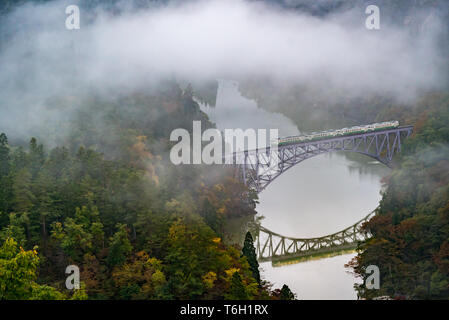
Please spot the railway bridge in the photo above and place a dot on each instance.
(258, 168)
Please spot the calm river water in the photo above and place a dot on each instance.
(319, 196)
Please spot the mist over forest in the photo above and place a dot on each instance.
(85, 176)
(130, 46)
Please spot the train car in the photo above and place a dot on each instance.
(338, 133)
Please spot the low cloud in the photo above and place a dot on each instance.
(202, 40)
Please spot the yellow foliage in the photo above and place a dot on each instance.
(231, 271)
(158, 278)
(209, 279)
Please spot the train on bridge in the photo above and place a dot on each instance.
(338, 133)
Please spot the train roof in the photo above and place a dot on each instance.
(334, 130)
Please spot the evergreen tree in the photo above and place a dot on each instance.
(16, 228)
(4, 156)
(23, 197)
(286, 293)
(36, 157)
(210, 216)
(237, 289)
(120, 246)
(249, 251)
(82, 195)
(5, 180)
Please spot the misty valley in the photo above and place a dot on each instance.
(203, 156)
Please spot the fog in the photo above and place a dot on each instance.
(125, 50)
(232, 111)
(319, 196)
(201, 40)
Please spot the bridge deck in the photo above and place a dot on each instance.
(259, 167)
(305, 143)
(356, 135)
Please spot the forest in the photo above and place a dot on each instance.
(137, 226)
(410, 229)
(411, 226)
(87, 180)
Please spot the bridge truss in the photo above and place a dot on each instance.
(258, 168)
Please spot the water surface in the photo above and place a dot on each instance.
(319, 196)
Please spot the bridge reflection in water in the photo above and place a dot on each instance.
(271, 246)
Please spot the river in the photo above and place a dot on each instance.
(317, 197)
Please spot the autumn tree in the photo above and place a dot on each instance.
(18, 274)
(142, 278)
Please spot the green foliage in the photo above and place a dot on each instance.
(249, 251)
(112, 203)
(45, 292)
(286, 293)
(17, 271)
(411, 227)
(81, 234)
(4, 156)
(16, 228)
(237, 290)
(120, 246)
(18, 274)
(80, 294)
(142, 278)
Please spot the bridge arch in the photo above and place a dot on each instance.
(388, 164)
(258, 168)
(261, 167)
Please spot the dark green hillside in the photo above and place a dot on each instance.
(108, 200)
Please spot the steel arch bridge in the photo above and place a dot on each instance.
(258, 168)
(271, 246)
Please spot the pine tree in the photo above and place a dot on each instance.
(286, 293)
(5, 179)
(4, 156)
(120, 246)
(249, 251)
(36, 157)
(23, 197)
(210, 216)
(237, 289)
